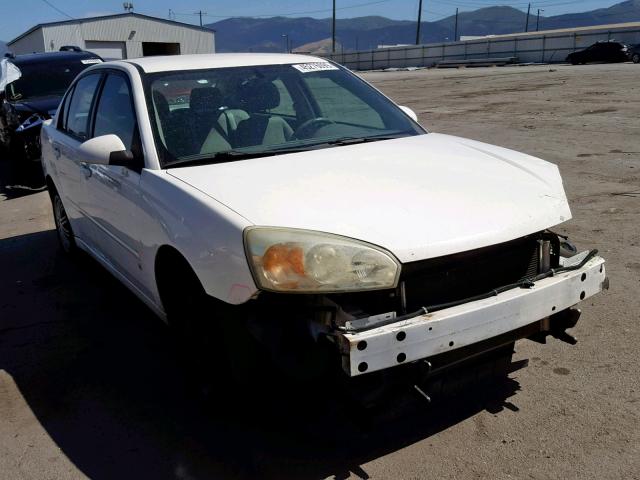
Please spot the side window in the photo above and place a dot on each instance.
(342, 106)
(286, 102)
(77, 118)
(115, 113)
(64, 108)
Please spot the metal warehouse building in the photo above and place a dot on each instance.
(126, 35)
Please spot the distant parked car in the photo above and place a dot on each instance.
(635, 53)
(605, 52)
(31, 87)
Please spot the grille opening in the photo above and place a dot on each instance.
(455, 277)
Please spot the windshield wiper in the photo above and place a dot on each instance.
(355, 140)
(229, 156)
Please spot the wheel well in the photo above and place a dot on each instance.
(51, 187)
(169, 264)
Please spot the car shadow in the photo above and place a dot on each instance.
(19, 181)
(100, 373)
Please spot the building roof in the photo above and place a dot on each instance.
(116, 15)
(170, 63)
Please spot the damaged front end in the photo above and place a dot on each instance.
(444, 311)
(21, 131)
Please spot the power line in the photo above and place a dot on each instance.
(289, 13)
(57, 9)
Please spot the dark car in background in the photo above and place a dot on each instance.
(33, 87)
(601, 52)
(635, 53)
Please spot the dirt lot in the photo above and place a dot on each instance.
(89, 387)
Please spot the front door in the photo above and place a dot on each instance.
(113, 192)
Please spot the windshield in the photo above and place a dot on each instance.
(229, 114)
(47, 79)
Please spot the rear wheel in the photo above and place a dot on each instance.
(63, 225)
(635, 58)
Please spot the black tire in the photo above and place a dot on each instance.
(196, 326)
(635, 58)
(66, 237)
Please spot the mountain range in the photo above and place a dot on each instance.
(266, 34)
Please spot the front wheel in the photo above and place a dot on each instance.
(635, 58)
(63, 225)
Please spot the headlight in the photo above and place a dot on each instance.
(302, 261)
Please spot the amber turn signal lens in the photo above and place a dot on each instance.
(284, 264)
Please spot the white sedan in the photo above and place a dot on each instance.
(285, 194)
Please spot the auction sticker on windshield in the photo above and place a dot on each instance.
(314, 67)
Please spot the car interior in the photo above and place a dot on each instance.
(214, 122)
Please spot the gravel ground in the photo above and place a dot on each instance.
(89, 385)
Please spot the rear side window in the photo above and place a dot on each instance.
(77, 118)
(115, 113)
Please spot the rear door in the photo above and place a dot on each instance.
(73, 129)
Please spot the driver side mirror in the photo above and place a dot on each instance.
(107, 150)
(409, 112)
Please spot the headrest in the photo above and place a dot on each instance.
(205, 99)
(161, 104)
(258, 95)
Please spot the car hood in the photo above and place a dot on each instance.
(419, 197)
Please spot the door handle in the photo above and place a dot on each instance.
(86, 170)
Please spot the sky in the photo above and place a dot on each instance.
(26, 13)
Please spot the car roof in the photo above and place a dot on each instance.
(217, 60)
(50, 57)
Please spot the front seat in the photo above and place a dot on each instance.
(213, 124)
(205, 108)
(261, 128)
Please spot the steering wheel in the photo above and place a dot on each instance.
(311, 126)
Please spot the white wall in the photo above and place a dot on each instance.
(544, 47)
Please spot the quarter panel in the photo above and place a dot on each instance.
(208, 234)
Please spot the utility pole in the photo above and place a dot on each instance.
(526, 25)
(333, 29)
(538, 19)
(419, 22)
(455, 35)
(201, 13)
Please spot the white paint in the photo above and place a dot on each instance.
(418, 197)
(98, 150)
(410, 113)
(472, 322)
(219, 60)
